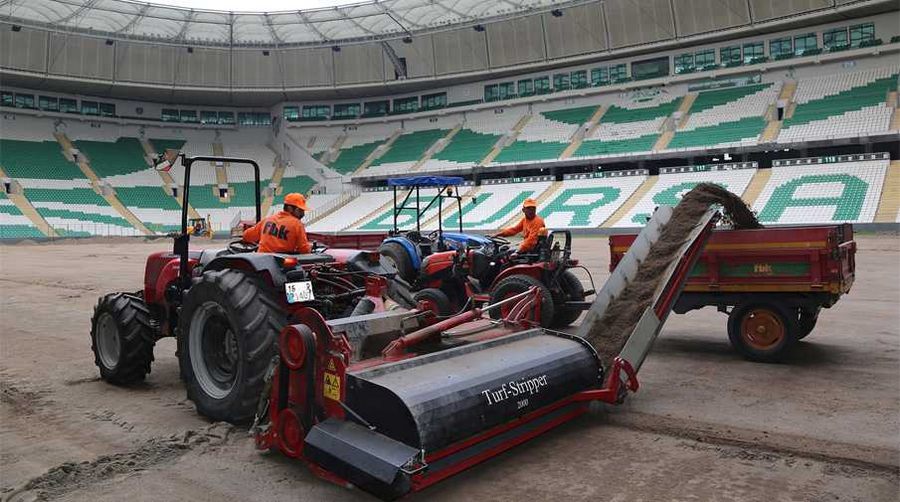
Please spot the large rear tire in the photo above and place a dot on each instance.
(572, 290)
(228, 330)
(400, 256)
(515, 285)
(122, 338)
(762, 332)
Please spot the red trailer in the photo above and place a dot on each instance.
(772, 282)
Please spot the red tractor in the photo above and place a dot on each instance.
(449, 280)
(226, 308)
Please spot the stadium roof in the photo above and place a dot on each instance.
(380, 19)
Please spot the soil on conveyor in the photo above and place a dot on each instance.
(610, 332)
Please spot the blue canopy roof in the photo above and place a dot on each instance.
(426, 181)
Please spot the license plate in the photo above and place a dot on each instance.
(300, 291)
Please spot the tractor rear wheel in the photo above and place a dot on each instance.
(229, 326)
(572, 290)
(122, 338)
(398, 254)
(516, 284)
(762, 332)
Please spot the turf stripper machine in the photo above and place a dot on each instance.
(393, 402)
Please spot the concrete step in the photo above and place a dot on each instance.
(889, 205)
(432, 150)
(28, 210)
(757, 183)
(663, 141)
(515, 134)
(625, 208)
(770, 133)
(126, 213)
(685, 108)
(578, 137)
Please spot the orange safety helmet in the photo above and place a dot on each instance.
(529, 203)
(296, 200)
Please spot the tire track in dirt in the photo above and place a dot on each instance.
(884, 461)
(70, 476)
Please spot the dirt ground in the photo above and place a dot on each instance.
(705, 425)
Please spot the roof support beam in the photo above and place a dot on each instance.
(272, 31)
(311, 25)
(355, 23)
(79, 11)
(394, 15)
(187, 23)
(140, 15)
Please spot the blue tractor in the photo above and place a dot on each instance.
(407, 248)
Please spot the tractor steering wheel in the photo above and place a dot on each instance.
(433, 235)
(240, 247)
(499, 241)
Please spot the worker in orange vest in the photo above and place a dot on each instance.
(531, 226)
(283, 232)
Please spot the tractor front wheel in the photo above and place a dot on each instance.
(516, 284)
(122, 338)
(228, 331)
(435, 300)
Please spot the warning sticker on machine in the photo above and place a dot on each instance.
(332, 387)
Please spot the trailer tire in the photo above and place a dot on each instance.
(806, 321)
(229, 328)
(762, 332)
(400, 256)
(572, 290)
(516, 284)
(122, 338)
(436, 300)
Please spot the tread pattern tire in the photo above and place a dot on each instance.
(572, 290)
(788, 319)
(136, 334)
(398, 254)
(256, 320)
(440, 300)
(519, 284)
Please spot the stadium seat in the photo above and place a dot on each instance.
(822, 193)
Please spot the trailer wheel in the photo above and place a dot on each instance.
(807, 321)
(122, 338)
(572, 290)
(435, 300)
(515, 285)
(229, 327)
(762, 332)
(398, 254)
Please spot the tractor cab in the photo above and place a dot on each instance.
(407, 244)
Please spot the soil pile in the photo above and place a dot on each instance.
(609, 333)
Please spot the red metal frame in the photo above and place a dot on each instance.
(828, 250)
(333, 354)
